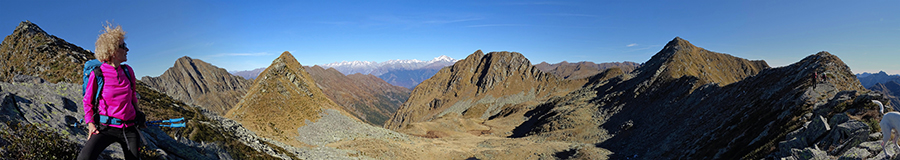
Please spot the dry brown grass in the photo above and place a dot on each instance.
(470, 138)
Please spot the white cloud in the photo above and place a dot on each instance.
(631, 45)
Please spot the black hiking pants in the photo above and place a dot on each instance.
(98, 142)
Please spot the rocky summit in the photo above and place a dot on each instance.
(283, 98)
(199, 83)
(368, 97)
(31, 51)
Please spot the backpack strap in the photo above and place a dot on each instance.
(130, 76)
(98, 87)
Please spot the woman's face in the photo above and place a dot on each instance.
(121, 52)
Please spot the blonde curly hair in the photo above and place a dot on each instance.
(108, 42)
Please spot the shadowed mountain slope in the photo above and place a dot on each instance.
(891, 89)
(31, 51)
(690, 103)
(368, 97)
(196, 82)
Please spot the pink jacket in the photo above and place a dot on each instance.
(117, 97)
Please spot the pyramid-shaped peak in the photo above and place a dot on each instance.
(285, 57)
(678, 42)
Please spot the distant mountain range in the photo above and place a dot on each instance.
(404, 73)
(884, 83)
(870, 79)
(248, 74)
(583, 69)
(379, 68)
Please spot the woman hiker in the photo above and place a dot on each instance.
(117, 102)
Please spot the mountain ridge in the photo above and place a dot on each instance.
(379, 68)
(22, 50)
(583, 69)
(880, 77)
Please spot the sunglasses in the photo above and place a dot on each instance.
(122, 45)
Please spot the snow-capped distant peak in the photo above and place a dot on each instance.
(442, 58)
(351, 63)
(407, 61)
(377, 68)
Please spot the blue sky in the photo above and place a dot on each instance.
(243, 35)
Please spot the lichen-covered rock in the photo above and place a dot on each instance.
(810, 153)
(855, 154)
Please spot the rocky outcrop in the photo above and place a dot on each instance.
(31, 51)
(499, 86)
(583, 69)
(199, 83)
(56, 109)
(283, 98)
(368, 97)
